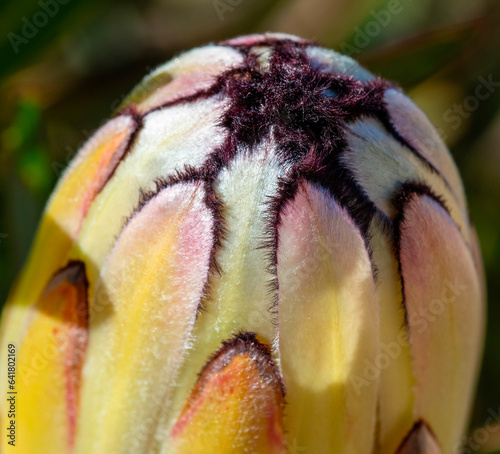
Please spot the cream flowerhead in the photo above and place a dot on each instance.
(266, 250)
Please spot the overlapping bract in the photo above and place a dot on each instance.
(267, 250)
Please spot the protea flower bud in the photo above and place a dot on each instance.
(266, 250)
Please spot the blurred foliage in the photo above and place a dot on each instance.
(65, 65)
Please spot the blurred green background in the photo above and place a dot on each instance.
(65, 65)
